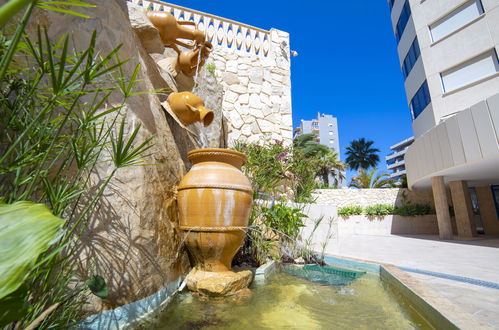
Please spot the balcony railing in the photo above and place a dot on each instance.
(235, 36)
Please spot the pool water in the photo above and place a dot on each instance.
(288, 301)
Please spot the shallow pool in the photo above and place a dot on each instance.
(287, 301)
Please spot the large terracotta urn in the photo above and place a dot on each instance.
(214, 200)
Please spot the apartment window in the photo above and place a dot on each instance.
(473, 70)
(411, 58)
(495, 194)
(331, 141)
(403, 20)
(420, 100)
(456, 19)
(330, 133)
(391, 3)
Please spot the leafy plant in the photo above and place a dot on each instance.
(413, 210)
(371, 179)
(378, 210)
(54, 131)
(284, 220)
(211, 68)
(97, 285)
(348, 211)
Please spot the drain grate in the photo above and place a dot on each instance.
(324, 274)
(463, 279)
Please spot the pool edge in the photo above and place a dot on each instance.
(438, 310)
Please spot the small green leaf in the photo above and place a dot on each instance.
(97, 285)
(26, 231)
(13, 307)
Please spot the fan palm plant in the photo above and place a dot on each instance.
(371, 179)
(361, 154)
(329, 163)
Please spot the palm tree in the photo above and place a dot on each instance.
(329, 163)
(360, 154)
(309, 146)
(369, 179)
(324, 158)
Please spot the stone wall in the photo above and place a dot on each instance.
(133, 241)
(253, 66)
(257, 98)
(369, 197)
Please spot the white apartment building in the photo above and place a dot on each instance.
(448, 55)
(326, 129)
(395, 161)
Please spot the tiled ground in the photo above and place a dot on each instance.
(476, 259)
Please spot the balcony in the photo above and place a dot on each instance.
(395, 165)
(397, 174)
(395, 154)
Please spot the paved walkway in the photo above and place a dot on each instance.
(466, 271)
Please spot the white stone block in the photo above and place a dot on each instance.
(254, 101)
(277, 90)
(238, 89)
(254, 88)
(256, 113)
(255, 129)
(277, 78)
(243, 99)
(230, 78)
(267, 75)
(267, 88)
(231, 66)
(246, 130)
(236, 120)
(266, 126)
(254, 138)
(231, 97)
(243, 67)
(256, 75)
(243, 80)
(265, 99)
(275, 99)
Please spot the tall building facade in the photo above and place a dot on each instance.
(395, 161)
(326, 129)
(448, 56)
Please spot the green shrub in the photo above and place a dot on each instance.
(378, 210)
(211, 68)
(348, 211)
(413, 210)
(284, 220)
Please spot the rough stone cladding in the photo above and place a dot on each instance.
(257, 90)
(369, 197)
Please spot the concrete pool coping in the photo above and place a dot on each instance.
(437, 310)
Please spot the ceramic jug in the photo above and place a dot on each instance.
(214, 200)
(170, 30)
(189, 108)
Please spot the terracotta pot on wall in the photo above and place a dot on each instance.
(214, 200)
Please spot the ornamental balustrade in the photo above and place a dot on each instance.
(232, 35)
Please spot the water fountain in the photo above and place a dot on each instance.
(214, 197)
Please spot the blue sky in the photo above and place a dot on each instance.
(347, 64)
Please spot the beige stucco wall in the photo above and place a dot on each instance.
(368, 197)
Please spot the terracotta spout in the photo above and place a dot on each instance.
(189, 108)
(206, 116)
